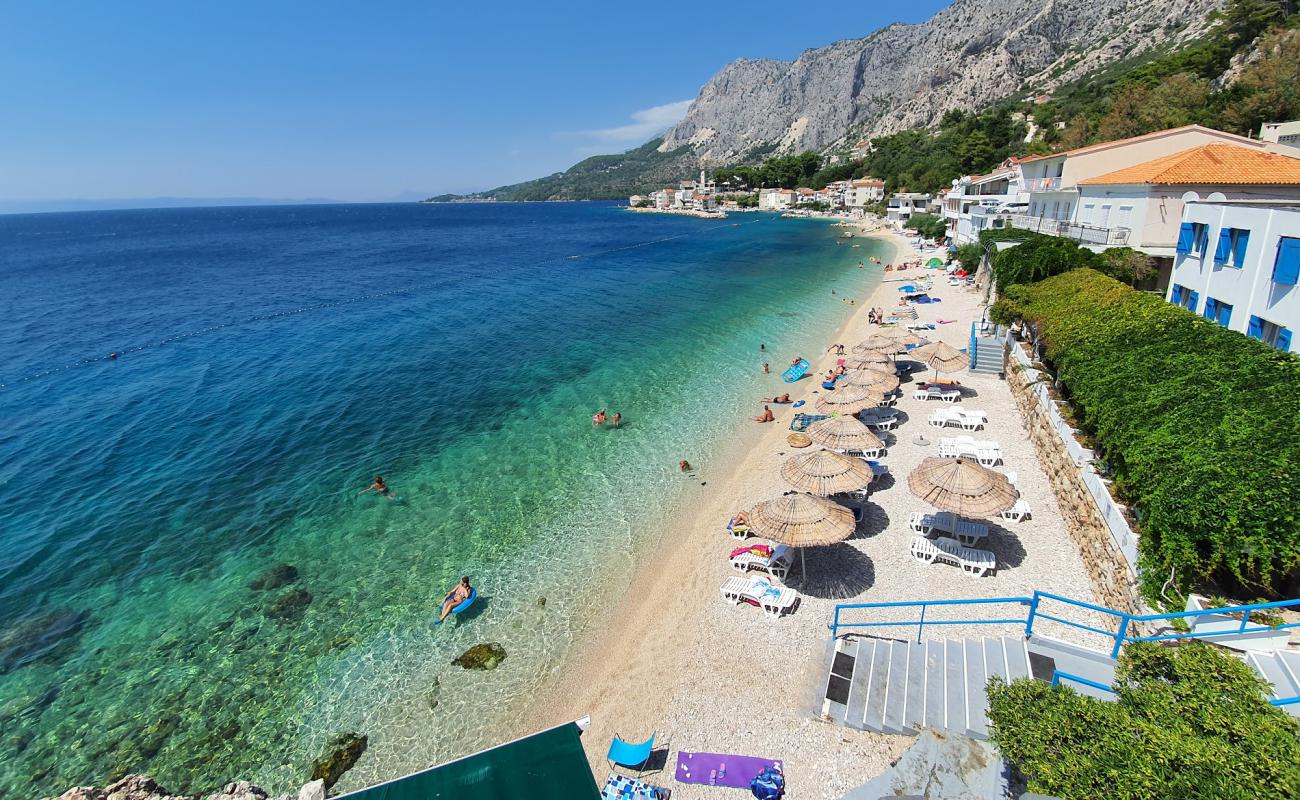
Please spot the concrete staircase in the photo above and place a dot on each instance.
(1281, 668)
(894, 686)
(988, 355)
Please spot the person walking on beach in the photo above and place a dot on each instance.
(378, 486)
(458, 594)
(617, 419)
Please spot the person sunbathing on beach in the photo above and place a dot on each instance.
(785, 398)
(458, 594)
(766, 416)
(841, 370)
(378, 486)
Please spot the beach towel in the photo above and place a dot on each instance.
(761, 549)
(720, 769)
(768, 784)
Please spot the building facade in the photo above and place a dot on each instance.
(904, 204)
(775, 199)
(864, 192)
(1238, 263)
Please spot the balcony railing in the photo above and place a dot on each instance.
(1084, 234)
(1051, 184)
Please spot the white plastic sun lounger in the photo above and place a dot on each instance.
(950, 551)
(774, 600)
(946, 395)
(943, 417)
(777, 566)
(1018, 512)
(967, 532)
(988, 454)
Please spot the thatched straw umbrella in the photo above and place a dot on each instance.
(877, 344)
(844, 433)
(847, 400)
(941, 357)
(802, 520)
(868, 361)
(826, 472)
(871, 379)
(906, 338)
(962, 486)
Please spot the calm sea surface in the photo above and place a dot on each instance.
(190, 584)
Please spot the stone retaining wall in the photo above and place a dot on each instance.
(1093, 518)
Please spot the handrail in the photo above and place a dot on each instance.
(1121, 635)
(1057, 675)
(973, 344)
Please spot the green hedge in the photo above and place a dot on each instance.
(1199, 425)
(1188, 722)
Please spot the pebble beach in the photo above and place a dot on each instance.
(706, 675)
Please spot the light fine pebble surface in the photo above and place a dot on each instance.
(705, 675)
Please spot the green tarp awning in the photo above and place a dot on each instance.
(550, 765)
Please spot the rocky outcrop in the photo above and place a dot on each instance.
(274, 577)
(967, 56)
(340, 755)
(142, 787)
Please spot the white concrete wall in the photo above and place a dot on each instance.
(1250, 290)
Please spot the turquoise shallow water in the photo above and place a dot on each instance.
(273, 360)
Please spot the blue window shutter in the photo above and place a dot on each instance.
(1286, 269)
(1239, 248)
(1224, 248)
(1192, 299)
(1211, 308)
(1225, 314)
(1185, 236)
(1202, 239)
(1283, 342)
(1255, 328)
(1177, 297)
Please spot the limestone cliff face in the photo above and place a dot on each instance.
(970, 54)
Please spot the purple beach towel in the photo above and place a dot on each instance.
(740, 770)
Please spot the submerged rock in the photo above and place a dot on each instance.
(340, 755)
(290, 606)
(274, 578)
(49, 636)
(541, 602)
(239, 790)
(431, 695)
(482, 656)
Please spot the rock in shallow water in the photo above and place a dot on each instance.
(482, 656)
(50, 636)
(274, 577)
(340, 755)
(290, 606)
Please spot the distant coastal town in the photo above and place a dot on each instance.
(708, 198)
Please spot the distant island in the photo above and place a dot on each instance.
(458, 198)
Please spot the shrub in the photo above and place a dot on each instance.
(930, 226)
(1187, 722)
(970, 255)
(1199, 425)
(1037, 258)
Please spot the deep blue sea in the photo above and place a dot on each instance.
(190, 584)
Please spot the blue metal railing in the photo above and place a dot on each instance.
(1121, 635)
(973, 344)
(1058, 675)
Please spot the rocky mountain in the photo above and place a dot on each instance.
(969, 55)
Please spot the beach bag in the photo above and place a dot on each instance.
(768, 784)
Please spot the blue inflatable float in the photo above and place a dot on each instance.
(796, 371)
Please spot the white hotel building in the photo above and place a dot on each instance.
(1238, 263)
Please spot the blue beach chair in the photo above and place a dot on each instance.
(632, 756)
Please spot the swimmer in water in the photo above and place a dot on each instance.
(378, 486)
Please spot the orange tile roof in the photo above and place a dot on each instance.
(1153, 135)
(1227, 164)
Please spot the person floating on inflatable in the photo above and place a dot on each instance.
(452, 600)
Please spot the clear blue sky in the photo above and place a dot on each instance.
(363, 101)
